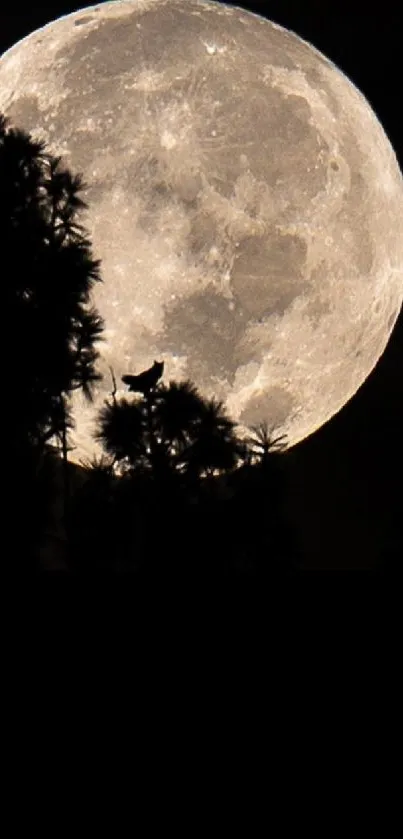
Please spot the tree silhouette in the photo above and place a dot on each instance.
(48, 275)
(260, 495)
(164, 445)
(215, 447)
(179, 493)
(170, 430)
(261, 446)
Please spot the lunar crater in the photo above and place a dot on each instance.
(83, 20)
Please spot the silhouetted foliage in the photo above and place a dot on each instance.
(179, 491)
(48, 273)
(261, 446)
(169, 430)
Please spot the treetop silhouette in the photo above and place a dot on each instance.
(170, 429)
(48, 273)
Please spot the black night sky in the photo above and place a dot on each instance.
(346, 482)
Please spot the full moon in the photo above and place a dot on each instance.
(243, 197)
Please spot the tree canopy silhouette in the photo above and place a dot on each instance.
(171, 430)
(48, 275)
(179, 491)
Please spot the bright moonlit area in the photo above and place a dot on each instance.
(243, 197)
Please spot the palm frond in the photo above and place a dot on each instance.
(121, 430)
(264, 439)
(177, 409)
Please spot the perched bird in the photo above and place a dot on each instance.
(145, 381)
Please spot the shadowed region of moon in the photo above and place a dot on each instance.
(244, 200)
(318, 304)
(276, 403)
(27, 111)
(202, 233)
(355, 206)
(267, 276)
(205, 329)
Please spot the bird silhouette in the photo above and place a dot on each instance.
(145, 381)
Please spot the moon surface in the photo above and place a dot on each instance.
(244, 199)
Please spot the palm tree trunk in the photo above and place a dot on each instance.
(157, 461)
(65, 462)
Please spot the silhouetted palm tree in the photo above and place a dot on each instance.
(121, 431)
(263, 444)
(214, 447)
(261, 495)
(178, 409)
(166, 444)
(92, 525)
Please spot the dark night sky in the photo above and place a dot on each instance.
(346, 497)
